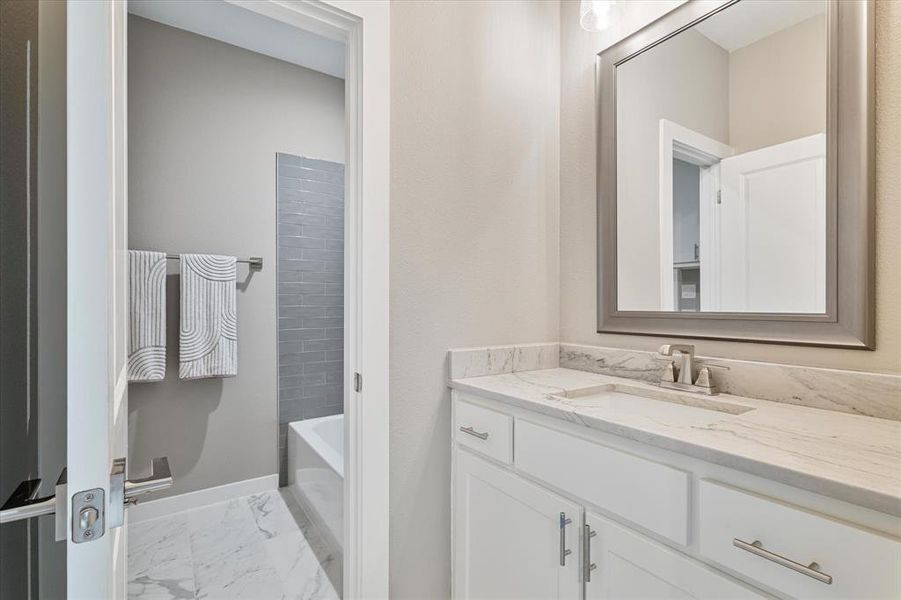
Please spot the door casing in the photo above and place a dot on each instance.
(366, 281)
(96, 51)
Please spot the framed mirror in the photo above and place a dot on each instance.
(735, 174)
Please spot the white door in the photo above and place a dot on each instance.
(96, 245)
(772, 229)
(629, 566)
(509, 539)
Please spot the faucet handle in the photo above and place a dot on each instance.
(704, 380)
(669, 372)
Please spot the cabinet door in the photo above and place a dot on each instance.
(509, 538)
(630, 566)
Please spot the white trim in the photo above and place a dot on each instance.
(164, 507)
(698, 149)
(710, 231)
(120, 391)
(367, 113)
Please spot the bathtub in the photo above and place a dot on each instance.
(316, 474)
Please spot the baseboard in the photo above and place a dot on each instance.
(154, 509)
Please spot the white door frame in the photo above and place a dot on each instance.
(709, 238)
(367, 110)
(677, 141)
(95, 178)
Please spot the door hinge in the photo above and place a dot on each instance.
(719, 196)
(358, 382)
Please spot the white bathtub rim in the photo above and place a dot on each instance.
(306, 430)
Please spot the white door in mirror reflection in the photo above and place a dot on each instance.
(768, 251)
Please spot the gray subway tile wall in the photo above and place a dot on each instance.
(310, 292)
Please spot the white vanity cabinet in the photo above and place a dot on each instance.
(512, 538)
(807, 555)
(546, 509)
(610, 479)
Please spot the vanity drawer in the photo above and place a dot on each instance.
(484, 430)
(851, 562)
(652, 495)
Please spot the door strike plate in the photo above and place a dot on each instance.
(88, 522)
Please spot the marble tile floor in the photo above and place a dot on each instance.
(258, 547)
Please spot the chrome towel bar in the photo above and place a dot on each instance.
(255, 262)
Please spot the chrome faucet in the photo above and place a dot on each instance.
(682, 376)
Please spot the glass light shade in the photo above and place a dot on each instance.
(594, 15)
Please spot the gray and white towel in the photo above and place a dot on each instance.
(208, 336)
(147, 315)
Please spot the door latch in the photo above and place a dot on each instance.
(88, 522)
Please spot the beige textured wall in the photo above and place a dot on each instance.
(577, 204)
(474, 261)
(777, 87)
(205, 121)
(685, 80)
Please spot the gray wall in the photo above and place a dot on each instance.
(206, 120)
(310, 292)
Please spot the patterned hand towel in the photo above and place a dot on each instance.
(147, 315)
(208, 336)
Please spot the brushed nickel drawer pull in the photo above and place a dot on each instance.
(811, 570)
(564, 551)
(587, 565)
(482, 435)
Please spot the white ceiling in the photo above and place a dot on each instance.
(237, 26)
(751, 20)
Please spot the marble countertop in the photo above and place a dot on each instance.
(848, 457)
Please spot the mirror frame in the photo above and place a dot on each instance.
(850, 184)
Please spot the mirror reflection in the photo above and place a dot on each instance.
(721, 164)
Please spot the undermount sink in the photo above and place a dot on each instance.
(658, 405)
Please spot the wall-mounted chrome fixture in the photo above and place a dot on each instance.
(255, 262)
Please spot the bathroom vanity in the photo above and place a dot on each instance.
(568, 483)
(735, 201)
